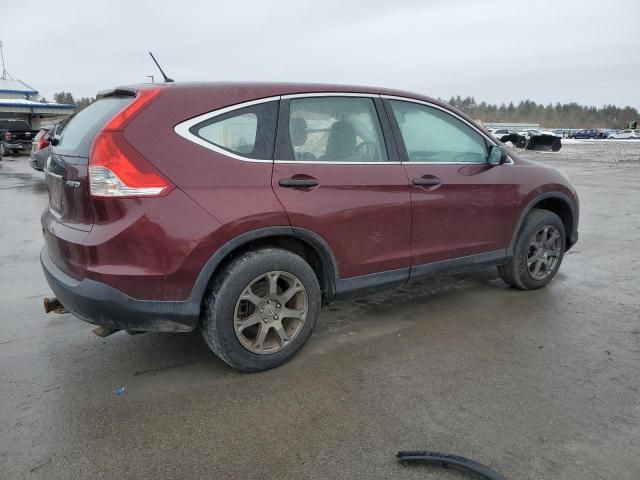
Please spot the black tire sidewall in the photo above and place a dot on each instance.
(534, 222)
(225, 293)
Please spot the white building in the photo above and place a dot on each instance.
(19, 100)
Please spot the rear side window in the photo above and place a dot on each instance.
(431, 135)
(77, 135)
(248, 132)
(335, 129)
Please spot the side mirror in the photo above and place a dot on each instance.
(497, 155)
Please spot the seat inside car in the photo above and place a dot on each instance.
(341, 143)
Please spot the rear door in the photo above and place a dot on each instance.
(337, 177)
(462, 206)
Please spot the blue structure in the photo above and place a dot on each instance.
(19, 100)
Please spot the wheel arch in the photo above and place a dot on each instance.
(556, 202)
(310, 246)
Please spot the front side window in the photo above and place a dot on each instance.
(431, 135)
(335, 129)
(248, 132)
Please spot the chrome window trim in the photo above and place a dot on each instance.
(304, 162)
(183, 127)
(294, 96)
(453, 114)
(329, 94)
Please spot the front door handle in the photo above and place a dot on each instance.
(426, 182)
(298, 182)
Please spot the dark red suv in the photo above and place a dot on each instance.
(241, 208)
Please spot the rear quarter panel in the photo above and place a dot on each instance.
(237, 194)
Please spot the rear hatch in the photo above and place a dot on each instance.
(67, 167)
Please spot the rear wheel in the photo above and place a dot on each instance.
(261, 309)
(538, 251)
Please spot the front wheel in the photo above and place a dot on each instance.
(261, 309)
(538, 251)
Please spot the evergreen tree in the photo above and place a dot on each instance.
(568, 115)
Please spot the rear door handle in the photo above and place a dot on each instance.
(426, 182)
(298, 182)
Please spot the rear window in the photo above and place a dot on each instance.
(77, 135)
(14, 125)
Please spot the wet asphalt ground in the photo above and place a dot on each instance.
(538, 385)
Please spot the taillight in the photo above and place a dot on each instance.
(143, 98)
(42, 143)
(116, 169)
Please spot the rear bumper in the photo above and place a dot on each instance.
(35, 166)
(101, 304)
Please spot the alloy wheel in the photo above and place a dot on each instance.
(544, 252)
(271, 312)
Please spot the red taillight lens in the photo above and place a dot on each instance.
(143, 98)
(116, 169)
(43, 142)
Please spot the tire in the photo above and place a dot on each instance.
(517, 271)
(248, 273)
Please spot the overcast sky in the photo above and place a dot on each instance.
(583, 51)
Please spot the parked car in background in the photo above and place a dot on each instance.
(240, 209)
(40, 148)
(41, 145)
(537, 131)
(15, 136)
(536, 139)
(629, 134)
(501, 132)
(506, 135)
(588, 133)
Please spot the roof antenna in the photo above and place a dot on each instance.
(166, 79)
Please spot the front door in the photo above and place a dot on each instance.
(336, 177)
(461, 205)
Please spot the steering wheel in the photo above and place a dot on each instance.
(366, 150)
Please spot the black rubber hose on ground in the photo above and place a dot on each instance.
(446, 460)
